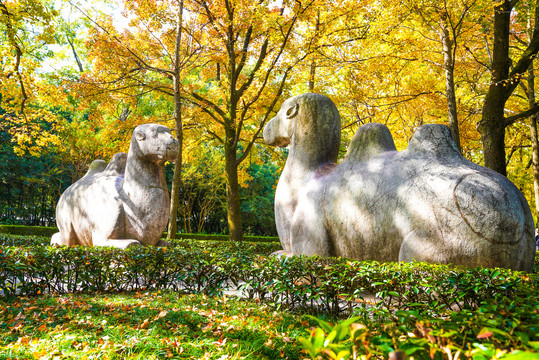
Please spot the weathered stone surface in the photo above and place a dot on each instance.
(426, 203)
(125, 203)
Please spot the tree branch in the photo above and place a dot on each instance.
(201, 101)
(244, 51)
(18, 53)
(512, 119)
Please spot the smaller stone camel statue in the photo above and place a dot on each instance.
(426, 203)
(124, 203)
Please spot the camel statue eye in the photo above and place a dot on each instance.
(140, 136)
(292, 111)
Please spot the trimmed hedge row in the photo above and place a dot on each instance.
(330, 285)
(49, 231)
(8, 240)
(248, 238)
(28, 230)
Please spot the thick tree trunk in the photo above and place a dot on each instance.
(449, 67)
(492, 124)
(176, 180)
(492, 130)
(233, 194)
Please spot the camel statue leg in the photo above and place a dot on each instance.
(309, 235)
(100, 240)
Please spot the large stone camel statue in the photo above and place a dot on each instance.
(426, 203)
(124, 203)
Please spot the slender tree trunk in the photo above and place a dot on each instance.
(449, 66)
(492, 123)
(312, 73)
(176, 180)
(533, 130)
(311, 76)
(77, 59)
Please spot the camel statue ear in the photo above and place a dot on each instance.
(140, 136)
(292, 111)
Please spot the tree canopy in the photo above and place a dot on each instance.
(76, 78)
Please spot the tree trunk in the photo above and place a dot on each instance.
(492, 130)
(534, 141)
(492, 123)
(176, 180)
(77, 59)
(233, 193)
(449, 66)
(533, 125)
(312, 73)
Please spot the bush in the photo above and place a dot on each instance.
(24, 241)
(247, 238)
(28, 230)
(423, 310)
(331, 285)
(49, 231)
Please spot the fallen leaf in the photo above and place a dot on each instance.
(162, 314)
(17, 327)
(39, 354)
(25, 340)
(145, 324)
(484, 335)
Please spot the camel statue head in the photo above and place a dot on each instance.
(154, 143)
(311, 124)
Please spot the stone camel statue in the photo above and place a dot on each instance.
(426, 203)
(124, 203)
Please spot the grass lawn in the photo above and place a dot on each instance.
(149, 325)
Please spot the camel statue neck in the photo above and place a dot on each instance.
(142, 176)
(310, 155)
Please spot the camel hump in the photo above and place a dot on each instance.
(434, 140)
(96, 167)
(117, 164)
(370, 140)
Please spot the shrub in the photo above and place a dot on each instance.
(426, 311)
(49, 231)
(247, 238)
(331, 285)
(28, 230)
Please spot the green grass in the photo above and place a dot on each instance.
(150, 325)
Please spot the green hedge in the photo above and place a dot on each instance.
(49, 231)
(248, 238)
(426, 311)
(28, 230)
(8, 240)
(332, 285)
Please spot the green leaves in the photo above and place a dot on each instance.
(333, 341)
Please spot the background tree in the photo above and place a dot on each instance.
(26, 28)
(147, 57)
(251, 52)
(505, 77)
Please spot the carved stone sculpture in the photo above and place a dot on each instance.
(125, 203)
(426, 203)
